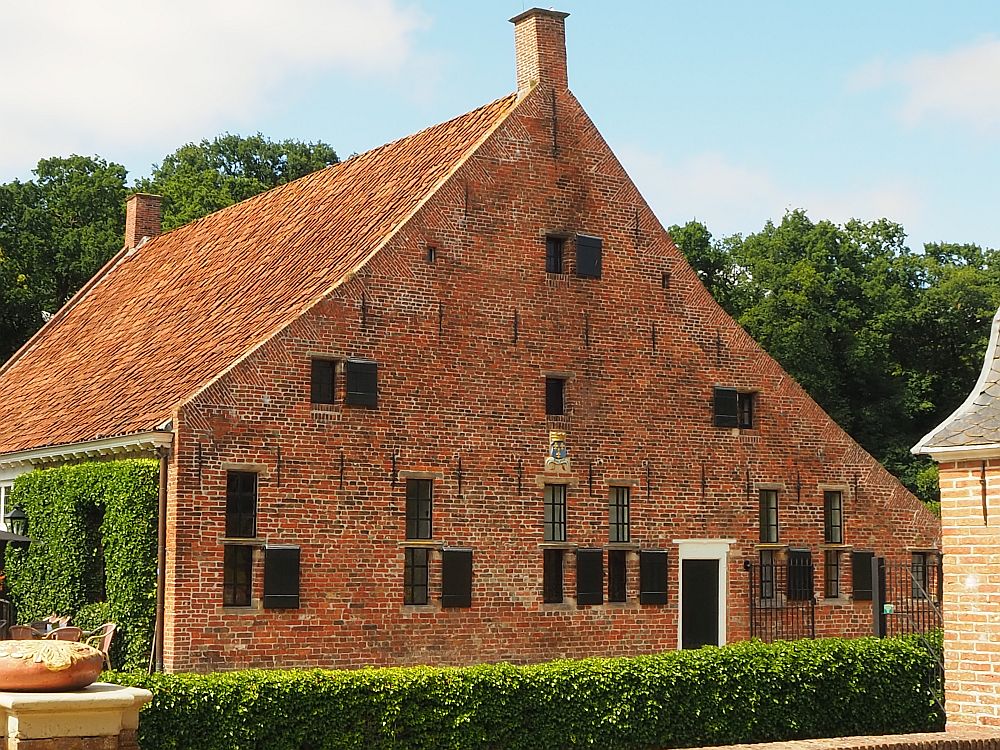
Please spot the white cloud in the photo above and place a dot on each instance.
(85, 76)
(734, 198)
(960, 85)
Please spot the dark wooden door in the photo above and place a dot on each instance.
(700, 603)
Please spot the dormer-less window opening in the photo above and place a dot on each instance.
(555, 396)
(732, 408)
(323, 385)
(554, 247)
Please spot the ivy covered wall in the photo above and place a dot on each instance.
(94, 532)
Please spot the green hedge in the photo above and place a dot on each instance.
(94, 532)
(746, 692)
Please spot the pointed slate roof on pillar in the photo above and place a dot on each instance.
(976, 423)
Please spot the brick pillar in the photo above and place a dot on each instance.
(143, 218)
(540, 48)
(971, 547)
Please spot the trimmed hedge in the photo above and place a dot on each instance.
(94, 532)
(746, 692)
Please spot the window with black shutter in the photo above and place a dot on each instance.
(617, 575)
(652, 576)
(552, 576)
(456, 578)
(362, 383)
(800, 575)
(744, 409)
(324, 376)
(281, 578)
(237, 569)
(555, 390)
(241, 504)
(415, 575)
(588, 256)
(618, 514)
(725, 403)
(831, 575)
(589, 576)
(861, 576)
(419, 508)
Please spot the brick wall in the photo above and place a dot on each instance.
(971, 544)
(463, 345)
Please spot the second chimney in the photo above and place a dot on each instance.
(143, 218)
(540, 48)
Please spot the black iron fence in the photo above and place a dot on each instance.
(907, 600)
(782, 604)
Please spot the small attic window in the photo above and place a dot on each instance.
(432, 254)
(554, 250)
(665, 279)
(362, 383)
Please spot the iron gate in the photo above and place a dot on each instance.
(782, 604)
(906, 600)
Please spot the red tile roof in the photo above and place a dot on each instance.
(168, 318)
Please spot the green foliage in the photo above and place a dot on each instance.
(196, 180)
(746, 692)
(56, 231)
(886, 340)
(92, 616)
(94, 532)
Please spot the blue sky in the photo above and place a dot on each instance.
(731, 112)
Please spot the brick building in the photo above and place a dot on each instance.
(967, 448)
(457, 399)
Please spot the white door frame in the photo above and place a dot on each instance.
(704, 549)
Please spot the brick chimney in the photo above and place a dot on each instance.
(540, 48)
(143, 218)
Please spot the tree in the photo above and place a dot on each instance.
(886, 340)
(198, 179)
(56, 231)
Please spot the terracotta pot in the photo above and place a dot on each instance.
(48, 666)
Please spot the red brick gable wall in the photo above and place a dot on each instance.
(461, 398)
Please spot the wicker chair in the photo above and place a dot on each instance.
(23, 633)
(101, 638)
(65, 633)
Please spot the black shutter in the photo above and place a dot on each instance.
(588, 256)
(652, 577)
(861, 574)
(456, 578)
(590, 576)
(726, 407)
(321, 390)
(281, 577)
(617, 575)
(362, 383)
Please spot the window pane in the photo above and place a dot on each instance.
(241, 504)
(237, 568)
(617, 575)
(554, 254)
(831, 585)
(415, 576)
(769, 516)
(554, 396)
(833, 517)
(767, 563)
(555, 513)
(322, 387)
(552, 576)
(419, 505)
(618, 515)
(744, 403)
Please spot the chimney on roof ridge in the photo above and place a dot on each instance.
(540, 48)
(143, 218)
